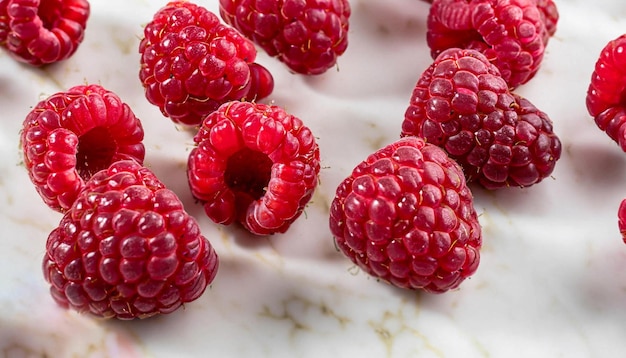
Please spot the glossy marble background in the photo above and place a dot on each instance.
(552, 280)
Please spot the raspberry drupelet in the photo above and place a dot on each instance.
(510, 33)
(254, 164)
(405, 215)
(191, 63)
(42, 32)
(127, 249)
(462, 104)
(71, 135)
(308, 36)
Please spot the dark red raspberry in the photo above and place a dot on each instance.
(127, 249)
(308, 36)
(462, 104)
(40, 32)
(406, 215)
(191, 63)
(607, 90)
(71, 135)
(255, 164)
(508, 32)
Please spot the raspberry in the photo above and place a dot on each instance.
(607, 90)
(255, 164)
(508, 32)
(462, 104)
(308, 36)
(191, 63)
(41, 32)
(550, 17)
(127, 249)
(406, 216)
(71, 135)
(621, 216)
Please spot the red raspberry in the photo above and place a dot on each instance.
(462, 104)
(508, 32)
(255, 164)
(71, 135)
(621, 216)
(550, 17)
(127, 248)
(307, 36)
(191, 63)
(40, 32)
(607, 90)
(406, 215)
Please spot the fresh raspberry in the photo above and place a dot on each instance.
(406, 216)
(621, 216)
(308, 36)
(550, 17)
(462, 104)
(255, 164)
(607, 91)
(71, 135)
(41, 32)
(127, 249)
(508, 32)
(191, 63)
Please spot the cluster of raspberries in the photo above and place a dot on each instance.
(125, 246)
(405, 214)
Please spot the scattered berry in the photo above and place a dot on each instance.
(605, 95)
(462, 104)
(127, 249)
(406, 216)
(191, 63)
(71, 135)
(41, 32)
(255, 164)
(308, 36)
(508, 32)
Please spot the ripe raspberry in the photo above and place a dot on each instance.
(40, 32)
(607, 89)
(462, 104)
(550, 17)
(127, 249)
(307, 36)
(621, 216)
(406, 215)
(71, 135)
(255, 164)
(191, 63)
(508, 32)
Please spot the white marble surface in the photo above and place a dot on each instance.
(552, 280)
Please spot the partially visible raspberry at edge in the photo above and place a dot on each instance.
(462, 104)
(405, 215)
(307, 36)
(127, 248)
(42, 32)
(254, 164)
(510, 33)
(71, 135)
(191, 63)
(607, 88)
